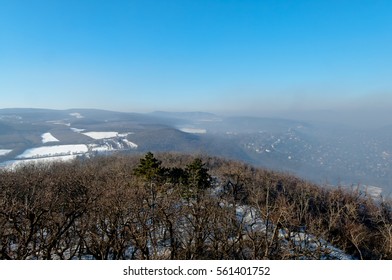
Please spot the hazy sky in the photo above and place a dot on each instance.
(220, 56)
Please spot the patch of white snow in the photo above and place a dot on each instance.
(76, 115)
(4, 152)
(51, 151)
(78, 130)
(101, 135)
(12, 164)
(48, 137)
(130, 144)
(193, 130)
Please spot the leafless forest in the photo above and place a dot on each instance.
(172, 206)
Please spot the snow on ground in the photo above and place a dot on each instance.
(112, 145)
(4, 152)
(12, 164)
(253, 222)
(103, 148)
(78, 130)
(100, 148)
(130, 144)
(48, 137)
(193, 130)
(51, 151)
(76, 115)
(59, 123)
(101, 135)
(125, 134)
(374, 192)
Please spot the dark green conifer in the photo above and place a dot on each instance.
(198, 176)
(149, 168)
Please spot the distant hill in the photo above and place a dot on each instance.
(322, 152)
(187, 115)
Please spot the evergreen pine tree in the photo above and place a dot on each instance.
(149, 168)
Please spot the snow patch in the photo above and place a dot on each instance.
(4, 152)
(101, 135)
(59, 123)
(48, 137)
(372, 191)
(112, 145)
(193, 130)
(253, 221)
(78, 130)
(12, 164)
(100, 148)
(125, 134)
(130, 144)
(76, 115)
(51, 151)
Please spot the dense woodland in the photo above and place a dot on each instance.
(171, 206)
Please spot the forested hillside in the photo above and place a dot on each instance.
(172, 206)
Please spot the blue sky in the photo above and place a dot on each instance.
(220, 56)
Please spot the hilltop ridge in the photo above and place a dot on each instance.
(173, 206)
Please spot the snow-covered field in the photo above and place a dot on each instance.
(98, 135)
(101, 135)
(47, 154)
(61, 122)
(194, 130)
(18, 163)
(125, 134)
(112, 145)
(107, 142)
(4, 152)
(48, 137)
(50, 151)
(76, 115)
(78, 130)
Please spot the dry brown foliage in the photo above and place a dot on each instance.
(100, 209)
